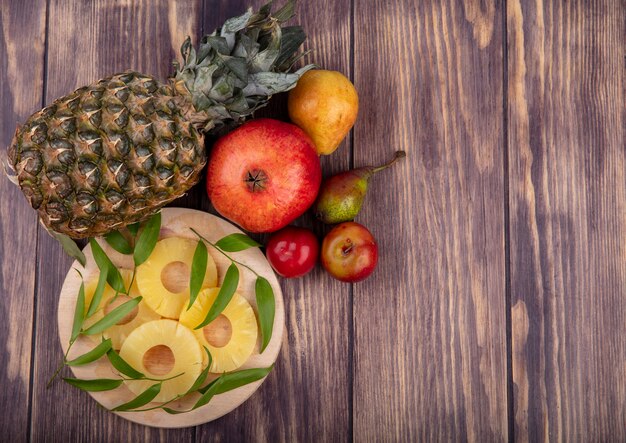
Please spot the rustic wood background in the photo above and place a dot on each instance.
(498, 310)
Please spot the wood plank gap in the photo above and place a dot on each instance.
(352, 79)
(351, 364)
(45, 58)
(33, 343)
(507, 228)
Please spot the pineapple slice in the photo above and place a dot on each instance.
(161, 349)
(163, 279)
(118, 332)
(231, 337)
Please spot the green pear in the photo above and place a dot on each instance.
(341, 196)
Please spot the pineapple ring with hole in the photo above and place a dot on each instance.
(161, 349)
(231, 337)
(163, 279)
(118, 332)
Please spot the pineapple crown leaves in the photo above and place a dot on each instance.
(237, 68)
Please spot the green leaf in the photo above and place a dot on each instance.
(286, 12)
(262, 15)
(114, 278)
(133, 228)
(270, 83)
(147, 239)
(236, 242)
(218, 43)
(204, 80)
(121, 365)
(97, 296)
(235, 24)
(92, 355)
(234, 380)
(265, 305)
(112, 317)
(70, 247)
(238, 66)
(264, 60)
(95, 385)
(198, 271)
(79, 312)
(208, 394)
(118, 242)
(208, 386)
(291, 39)
(203, 375)
(229, 381)
(142, 399)
(231, 280)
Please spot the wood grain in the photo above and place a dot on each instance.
(568, 219)
(309, 398)
(87, 41)
(22, 34)
(430, 326)
(512, 114)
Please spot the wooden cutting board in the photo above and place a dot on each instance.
(176, 222)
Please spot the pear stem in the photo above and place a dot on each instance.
(396, 157)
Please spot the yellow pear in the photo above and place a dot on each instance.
(325, 105)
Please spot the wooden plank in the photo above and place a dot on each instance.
(430, 340)
(87, 41)
(21, 72)
(568, 219)
(307, 398)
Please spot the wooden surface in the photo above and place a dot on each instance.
(176, 222)
(498, 309)
(441, 333)
(567, 197)
(20, 92)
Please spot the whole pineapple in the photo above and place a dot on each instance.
(114, 152)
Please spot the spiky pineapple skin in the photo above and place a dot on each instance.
(107, 155)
